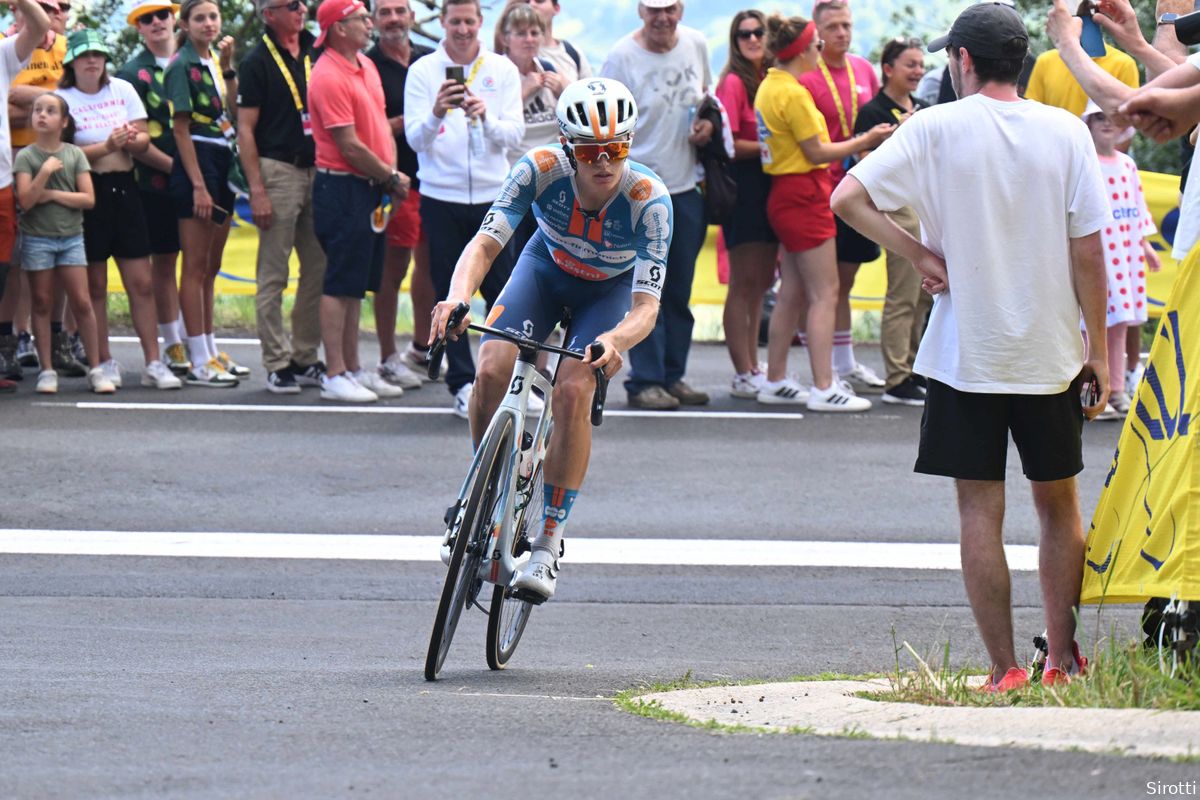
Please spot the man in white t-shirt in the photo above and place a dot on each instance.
(1012, 259)
(14, 56)
(665, 66)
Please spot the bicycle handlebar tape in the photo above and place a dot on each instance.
(438, 349)
(601, 387)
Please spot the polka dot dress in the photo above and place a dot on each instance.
(1121, 240)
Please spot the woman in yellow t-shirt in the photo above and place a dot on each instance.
(796, 150)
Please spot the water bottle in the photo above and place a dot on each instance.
(475, 135)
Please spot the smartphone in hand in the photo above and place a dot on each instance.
(455, 73)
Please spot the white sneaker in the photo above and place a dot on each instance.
(158, 375)
(416, 361)
(539, 575)
(836, 399)
(112, 371)
(1133, 379)
(376, 383)
(747, 384)
(462, 400)
(211, 374)
(397, 373)
(99, 381)
(1109, 414)
(785, 392)
(47, 382)
(862, 378)
(344, 388)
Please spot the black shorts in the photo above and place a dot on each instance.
(853, 247)
(964, 435)
(342, 207)
(162, 224)
(115, 227)
(748, 221)
(215, 161)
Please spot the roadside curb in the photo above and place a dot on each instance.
(830, 708)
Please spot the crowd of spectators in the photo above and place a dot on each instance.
(366, 153)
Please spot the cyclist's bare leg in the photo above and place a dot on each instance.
(492, 375)
(571, 445)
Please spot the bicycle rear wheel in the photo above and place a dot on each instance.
(507, 616)
(469, 547)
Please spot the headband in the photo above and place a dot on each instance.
(799, 44)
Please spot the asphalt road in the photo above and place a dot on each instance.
(198, 677)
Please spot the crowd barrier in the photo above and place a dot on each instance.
(1162, 194)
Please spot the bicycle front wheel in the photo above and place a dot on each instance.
(508, 616)
(469, 547)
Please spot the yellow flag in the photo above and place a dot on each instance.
(1144, 539)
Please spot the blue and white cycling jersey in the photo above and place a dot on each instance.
(632, 231)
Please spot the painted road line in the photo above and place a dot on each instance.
(408, 410)
(218, 340)
(674, 552)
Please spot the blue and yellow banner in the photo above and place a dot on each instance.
(1144, 540)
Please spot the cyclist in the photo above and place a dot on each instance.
(600, 253)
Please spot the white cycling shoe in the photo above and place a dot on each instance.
(539, 574)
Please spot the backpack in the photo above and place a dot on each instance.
(574, 54)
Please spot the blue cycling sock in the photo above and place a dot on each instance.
(558, 508)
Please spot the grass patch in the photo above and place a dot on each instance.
(1119, 676)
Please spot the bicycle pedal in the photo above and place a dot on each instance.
(533, 598)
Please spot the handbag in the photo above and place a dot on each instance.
(720, 188)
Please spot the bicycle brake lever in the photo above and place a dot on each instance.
(438, 348)
(601, 392)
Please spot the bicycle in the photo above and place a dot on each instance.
(487, 528)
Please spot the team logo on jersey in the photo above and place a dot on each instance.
(574, 266)
(545, 159)
(641, 190)
(527, 328)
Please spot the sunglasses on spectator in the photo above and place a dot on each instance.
(753, 33)
(590, 153)
(49, 9)
(293, 6)
(150, 16)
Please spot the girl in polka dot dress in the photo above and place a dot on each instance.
(1127, 250)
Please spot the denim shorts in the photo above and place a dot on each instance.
(47, 252)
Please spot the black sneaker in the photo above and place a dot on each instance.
(282, 381)
(919, 380)
(63, 356)
(905, 393)
(10, 367)
(26, 354)
(307, 376)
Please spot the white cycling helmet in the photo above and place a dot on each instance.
(597, 109)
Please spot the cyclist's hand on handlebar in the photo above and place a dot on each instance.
(441, 315)
(611, 361)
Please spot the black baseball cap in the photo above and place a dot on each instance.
(987, 30)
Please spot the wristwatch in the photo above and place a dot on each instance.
(1168, 19)
(229, 74)
(394, 181)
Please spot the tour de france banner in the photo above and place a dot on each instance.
(712, 266)
(1144, 540)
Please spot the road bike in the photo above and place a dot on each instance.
(489, 526)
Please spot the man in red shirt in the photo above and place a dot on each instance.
(841, 85)
(356, 173)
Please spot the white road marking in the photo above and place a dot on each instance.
(407, 410)
(664, 552)
(218, 340)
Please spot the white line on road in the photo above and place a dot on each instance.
(665, 552)
(406, 410)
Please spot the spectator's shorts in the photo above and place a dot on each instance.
(964, 435)
(404, 230)
(342, 209)
(162, 223)
(8, 223)
(748, 221)
(215, 161)
(798, 209)
(539, 291)
(115, 226)
(852, 246)
(47, 252)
